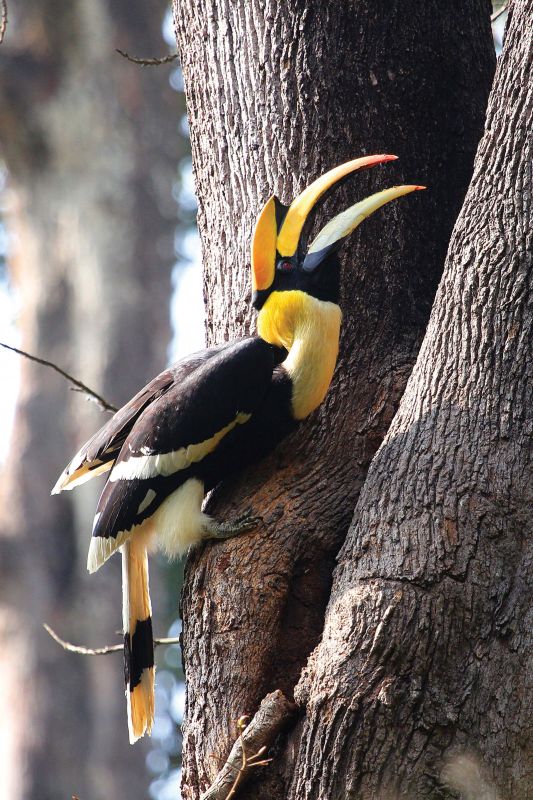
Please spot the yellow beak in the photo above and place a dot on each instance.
(267, 240)
(346, 222)
(300, 208)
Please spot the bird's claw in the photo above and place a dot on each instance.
(227, 530)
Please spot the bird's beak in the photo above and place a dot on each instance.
(332, 234)
(301, 207)
(278, 228)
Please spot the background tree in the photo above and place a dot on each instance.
(277, 93)
(91, 146)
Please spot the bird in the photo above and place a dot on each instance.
(218, 410)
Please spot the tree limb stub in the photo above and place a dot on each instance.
(273, 715)
(497, 14)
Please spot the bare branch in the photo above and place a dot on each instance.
(274, 713)
(167, 640)
(78, 386)
(498, 13)
(148, 62)
(82, 651)
(3, 19)
(98, 651)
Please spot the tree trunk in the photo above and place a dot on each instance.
(419, 687)
(277, 93)
(90, 143)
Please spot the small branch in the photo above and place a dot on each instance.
(82, 651)
(3, 19)
(78, 385)
(167, 640)
(97, 651)
(497, 14)
(148, 62)
(274, 713)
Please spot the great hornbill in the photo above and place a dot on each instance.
(218, 410)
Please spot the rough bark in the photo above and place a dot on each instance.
(420, 686)
(278, 92)
(90, 144)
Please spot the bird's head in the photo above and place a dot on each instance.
(281, 259)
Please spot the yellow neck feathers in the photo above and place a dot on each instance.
(309, 329)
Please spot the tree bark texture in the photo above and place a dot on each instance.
(277, 93)
(91, 147)
(420, 686)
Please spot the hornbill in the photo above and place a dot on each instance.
(218, 410)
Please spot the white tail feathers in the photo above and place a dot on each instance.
(138, 643)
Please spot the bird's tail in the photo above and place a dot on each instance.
(138, 642)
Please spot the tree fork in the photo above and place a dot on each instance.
(277, 93)
(421, 677)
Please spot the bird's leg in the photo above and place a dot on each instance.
(226, 530)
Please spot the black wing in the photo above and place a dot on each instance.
(99, 453)
(171, 437)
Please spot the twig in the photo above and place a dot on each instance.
(274, 713)
(498, 13)
(78, 385)
(3, 20)
(148, 62)
(97, 651)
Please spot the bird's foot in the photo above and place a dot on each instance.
(227, 530)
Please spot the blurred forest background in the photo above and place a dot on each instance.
(100, 274)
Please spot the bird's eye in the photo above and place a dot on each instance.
(285, 266)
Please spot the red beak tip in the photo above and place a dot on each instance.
(417, 188)
(380, 159)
